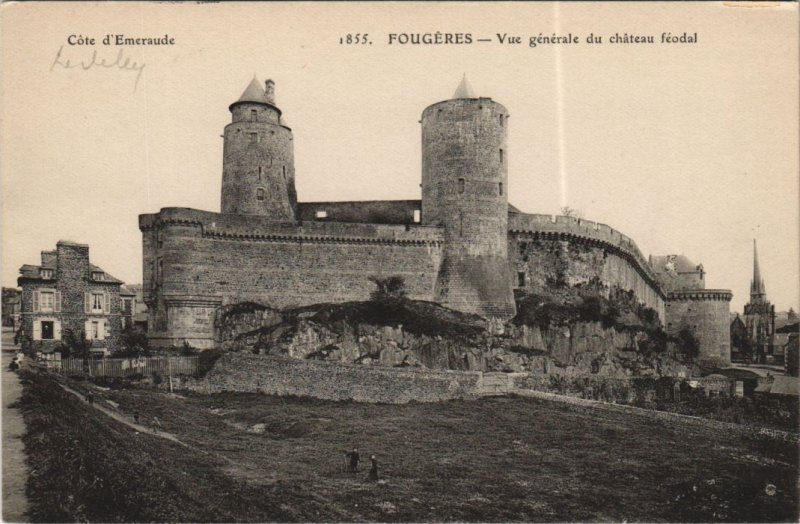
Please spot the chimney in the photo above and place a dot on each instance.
(49, 258)
(270, 92)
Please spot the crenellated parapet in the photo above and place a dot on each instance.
(586, 232)
(701, 294)
(255, 228)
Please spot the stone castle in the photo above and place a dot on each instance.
(462, 245)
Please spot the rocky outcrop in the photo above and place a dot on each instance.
(581, 348)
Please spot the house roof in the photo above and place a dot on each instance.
(126, 291)
(785, 385)
(789, 328)
(682, 263)
(106, 276)
(366, 212)
(31, 272)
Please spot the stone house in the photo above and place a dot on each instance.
(66, 299)
(134, 310)
(11, 307)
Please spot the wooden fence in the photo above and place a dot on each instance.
(124, 367)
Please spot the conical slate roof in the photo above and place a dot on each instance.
(464, 89)
(253, 93)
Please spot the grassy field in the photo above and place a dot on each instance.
(259, 458)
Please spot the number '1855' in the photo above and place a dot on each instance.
(358, 38)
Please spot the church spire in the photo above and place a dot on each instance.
(757, 288)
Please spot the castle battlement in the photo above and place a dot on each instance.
(702, 294)
(218, 225)
(579, 230)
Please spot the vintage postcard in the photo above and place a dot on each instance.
(416, 262)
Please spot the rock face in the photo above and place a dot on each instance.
(585, 348)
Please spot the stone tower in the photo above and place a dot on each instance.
(464, 189)
(258, 158)
(759, 314)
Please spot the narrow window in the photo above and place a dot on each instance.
(521, 279)
(284, 173)
(254, 115)
(98, 302)
(260, 172)
(47, 330)
(460, 185)
(47, 300)
(260, 193)
(416, 215)
(461, 224)
(501, 189)
(253, 137)
(501, 156)
(501, 120)
(322, 214)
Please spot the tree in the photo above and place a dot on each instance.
(75, 346)
(389, 289)
(571, 212)
(688, 344)
(132, 343)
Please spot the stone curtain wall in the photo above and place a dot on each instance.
(242, 372)
(209, 260)
(547, 248)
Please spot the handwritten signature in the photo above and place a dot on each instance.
(121, 62)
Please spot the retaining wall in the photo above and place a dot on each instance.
(249, 373)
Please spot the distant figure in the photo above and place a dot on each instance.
(354, 458)
(13, 366)
(136, 416)
(156, 425)
(373, 471)
(90, 398)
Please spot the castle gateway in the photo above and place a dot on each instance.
(461, 245)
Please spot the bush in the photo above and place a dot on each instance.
(688, 345)
(389, 289)
(75, 346)
(133, 344)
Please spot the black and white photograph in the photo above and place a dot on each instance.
(400, 261)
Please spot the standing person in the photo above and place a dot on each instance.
(373, 471)
(354, 458)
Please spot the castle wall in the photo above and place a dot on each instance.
(197, 261)
(545, 250)
(706, 313)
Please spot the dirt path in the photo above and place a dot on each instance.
(116, 415)
(15, 469)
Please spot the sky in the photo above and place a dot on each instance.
(688, 148)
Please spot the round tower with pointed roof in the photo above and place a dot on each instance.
(464, 189)
(258, 158)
